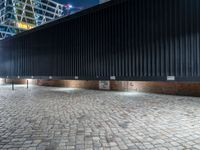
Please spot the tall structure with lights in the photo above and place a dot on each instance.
(20, 15)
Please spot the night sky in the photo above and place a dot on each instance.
(79, 3)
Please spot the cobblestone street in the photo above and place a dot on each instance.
(63, 118)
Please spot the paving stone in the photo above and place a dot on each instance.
(60, 119)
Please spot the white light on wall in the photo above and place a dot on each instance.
(30, 80)
(1, 81)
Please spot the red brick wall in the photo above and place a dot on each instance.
(119, 85)
(189, 89)
(114, 85)
(186, 88)
(58, 83)
(20, 81)
(16, 81)
(70, 83)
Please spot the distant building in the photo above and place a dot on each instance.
(20, 15)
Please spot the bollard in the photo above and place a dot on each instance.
(13, 85)
(27, 84)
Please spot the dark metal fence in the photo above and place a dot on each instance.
(155, 40)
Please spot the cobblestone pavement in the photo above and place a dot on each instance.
(59, 118)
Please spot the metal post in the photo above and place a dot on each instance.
(27, 84)
(13, 85)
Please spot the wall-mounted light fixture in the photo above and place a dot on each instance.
(112, 78)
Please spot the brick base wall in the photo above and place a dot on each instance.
(187, 89)
(19, 81)
(16, 81)
(119, 85)
(114, 85)
(70, 83)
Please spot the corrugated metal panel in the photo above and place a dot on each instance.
(128, 39)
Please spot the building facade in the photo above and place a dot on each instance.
(20, 15)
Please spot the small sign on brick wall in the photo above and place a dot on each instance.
(170, 78)
(104, 85)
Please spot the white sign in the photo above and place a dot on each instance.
(170, 78)
(104, 85)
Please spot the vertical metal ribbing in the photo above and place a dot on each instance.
(148, 49)
(185, 44)
(157, 41)
(176, 40)
(194, 48)
(136, 39)
(140, 38)
(130, 65)
(145, 52)
(112, 41)
(122, 40)
(198, 33)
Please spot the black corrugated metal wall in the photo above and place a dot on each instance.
(128, 39)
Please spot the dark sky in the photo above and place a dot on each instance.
(79, 3)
